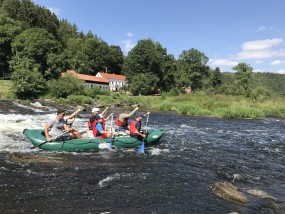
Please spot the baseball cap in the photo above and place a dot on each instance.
(140, 115)
(95, 109)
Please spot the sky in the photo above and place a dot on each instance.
(228, 32)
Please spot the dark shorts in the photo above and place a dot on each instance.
(64, 137)
(136, 136)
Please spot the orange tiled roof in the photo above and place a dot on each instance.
(113, 76)
(87, 77)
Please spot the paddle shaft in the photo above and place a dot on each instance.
(146, 121)
(54, 138)
(112, 136)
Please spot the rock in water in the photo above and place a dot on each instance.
(31, 158)
(228, 192)
(261, 194)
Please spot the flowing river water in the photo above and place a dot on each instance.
(174, 176)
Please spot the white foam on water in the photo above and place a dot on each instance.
(11, 130)
(103, 182)
(157, 151)
(27, 107)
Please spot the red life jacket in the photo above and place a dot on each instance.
(133, 127)
(90, 125)
(121, 123)
(95, 132)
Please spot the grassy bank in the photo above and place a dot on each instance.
(5, 88)
(198, 104)
(221, 106)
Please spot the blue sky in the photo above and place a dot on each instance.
(226, 31)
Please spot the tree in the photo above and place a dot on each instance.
(192, 69)
(243, 77)
(142, 84)
(169, 69)
(9, 28)
(115, 59)
(31, 15)
(28, 82)
(66, 31)
(36, 44)
(147, 58)
(87, 55)
(216, 78)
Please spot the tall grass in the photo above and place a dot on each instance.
(221, 106)
(198, 104)
(5, 92)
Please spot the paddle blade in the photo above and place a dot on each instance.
(141, 149)
(110, 145)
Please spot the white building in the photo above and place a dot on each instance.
(115, 81)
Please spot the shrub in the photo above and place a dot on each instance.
(65, 86)
(28, 84)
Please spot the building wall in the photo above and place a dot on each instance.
(116, 84)
(96, 85)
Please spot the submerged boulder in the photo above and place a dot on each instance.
(32, 158)
(228, 191)
(261, 194)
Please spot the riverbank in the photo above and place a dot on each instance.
(197, 104)
(200, 105)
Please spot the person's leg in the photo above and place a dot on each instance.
(76, 135)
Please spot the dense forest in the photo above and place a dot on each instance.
(35, 47)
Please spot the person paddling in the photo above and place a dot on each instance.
(122, 121)
(95, 116)
(92, 118)
(135, 126)
(99, 128)
(59, 125)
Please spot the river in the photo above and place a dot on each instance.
(174, 176)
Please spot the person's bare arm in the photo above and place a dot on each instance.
(107, 118)
(73, 114)
(46, 128)
(138, 133)
(105, 110)
(124, 115)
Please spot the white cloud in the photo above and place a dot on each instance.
(264, 54)
(223, 62)
(277, 62)
(264, 28)
(281, 72)
(257, 70)
(257, 50)
(258, 61)
(129, 34)
(261, 28)
(261, 44)
(127, 45)
(54, 10)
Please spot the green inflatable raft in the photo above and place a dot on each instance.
(37, 138)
